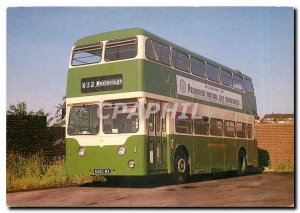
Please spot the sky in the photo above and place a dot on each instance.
(258, 41)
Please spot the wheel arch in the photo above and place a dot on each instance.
(181, 148)
(185, 150)
(241, 170)
(243, 149)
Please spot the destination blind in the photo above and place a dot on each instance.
(102, 83)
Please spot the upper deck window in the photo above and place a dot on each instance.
(213, 72)
(180, 60)
(158, 52)
(248, 86)
(119, 49)
(87, 54)
(198, 67)
(238, 82)
(226, 78)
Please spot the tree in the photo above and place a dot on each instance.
(20, 109)
(40, 112)
(58, 117)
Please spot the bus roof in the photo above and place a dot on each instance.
(139, 31)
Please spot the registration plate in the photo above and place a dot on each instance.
(101, 171)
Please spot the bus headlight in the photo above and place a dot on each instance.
(81, 151)
(121, 150)
(131, 164)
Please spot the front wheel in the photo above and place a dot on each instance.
(181, 167)
(242, 163)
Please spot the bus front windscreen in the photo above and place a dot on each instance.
(120, 117)
(84, 120)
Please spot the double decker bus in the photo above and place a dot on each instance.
(139, 105)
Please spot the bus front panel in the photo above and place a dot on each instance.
(105, 160)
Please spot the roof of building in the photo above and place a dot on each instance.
(278, 115)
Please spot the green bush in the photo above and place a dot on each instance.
(36, 172)
(284, 167)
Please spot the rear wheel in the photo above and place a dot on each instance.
(181, 167)
(242, 163)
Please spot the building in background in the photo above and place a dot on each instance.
(278, 118)
(256, 119)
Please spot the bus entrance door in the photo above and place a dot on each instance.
(156, 140)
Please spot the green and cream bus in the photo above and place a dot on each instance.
(139, 105)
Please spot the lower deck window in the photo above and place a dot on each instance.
(249, 131)
(229, 128)
(201, 126)
(84, 120)
(183, 123)
(241, 130)
(120, 117)
(216, 127)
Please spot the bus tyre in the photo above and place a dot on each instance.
(242, 163)
(181, 167)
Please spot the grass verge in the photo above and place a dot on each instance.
(35, 172)
(283, 167)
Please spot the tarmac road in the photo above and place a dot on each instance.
(225, 190)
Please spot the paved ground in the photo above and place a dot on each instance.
(226, 190)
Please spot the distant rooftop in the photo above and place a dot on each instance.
(278, 115)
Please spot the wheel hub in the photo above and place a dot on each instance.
(181, 165)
